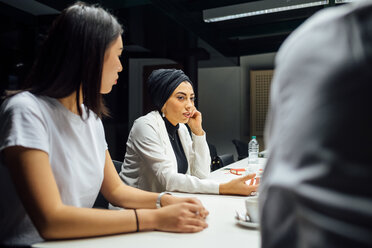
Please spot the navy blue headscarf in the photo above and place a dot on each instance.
(161, 84)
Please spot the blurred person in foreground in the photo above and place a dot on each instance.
(316, 188)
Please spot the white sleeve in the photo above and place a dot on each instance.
(22, 125)
(148, 145)
(199, 156)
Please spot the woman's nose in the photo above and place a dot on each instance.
(120, 67)
(189, 104)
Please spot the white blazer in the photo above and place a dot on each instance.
(150, 162)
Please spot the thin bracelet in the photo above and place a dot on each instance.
(135, 212)
(158, 203)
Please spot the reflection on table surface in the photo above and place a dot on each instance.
(223, 230)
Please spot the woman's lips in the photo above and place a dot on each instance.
(187, 115)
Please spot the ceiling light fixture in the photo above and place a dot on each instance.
(257, 8)
(344, 1)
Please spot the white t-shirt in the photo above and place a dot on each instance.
(76, 150)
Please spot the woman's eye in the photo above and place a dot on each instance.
(192, 99)
(180, 97)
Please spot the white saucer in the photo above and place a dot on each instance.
(249, 224)
(243, 220)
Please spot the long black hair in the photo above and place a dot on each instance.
(73, 55)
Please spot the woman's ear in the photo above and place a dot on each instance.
(163, 111)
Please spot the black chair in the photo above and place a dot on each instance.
(241, 148)
(215, 160)
(219, 161)
(216, 163)
(118, 165)
(212, 150)
(222, 161)
(226, 159)
(101, 201)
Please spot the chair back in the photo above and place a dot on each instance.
(117, 165)
(241, 148)
(101, 201)
(215, 160)
(226, 159)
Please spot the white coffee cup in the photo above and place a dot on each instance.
(251, 206)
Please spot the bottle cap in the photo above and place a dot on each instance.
(253, 137)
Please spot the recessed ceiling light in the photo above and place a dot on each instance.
(257, 8)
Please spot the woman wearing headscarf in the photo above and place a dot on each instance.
(162, 155)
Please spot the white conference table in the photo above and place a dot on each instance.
(223, 230)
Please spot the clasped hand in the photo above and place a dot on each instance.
(182, 215)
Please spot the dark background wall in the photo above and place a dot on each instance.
(148, 34)
(159, 33)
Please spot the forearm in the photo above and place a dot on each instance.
(73, 222)
(129, 197)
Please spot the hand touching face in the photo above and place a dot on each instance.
(195, 122)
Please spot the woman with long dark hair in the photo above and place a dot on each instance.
(54, 157)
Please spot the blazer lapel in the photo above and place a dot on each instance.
(165, 138)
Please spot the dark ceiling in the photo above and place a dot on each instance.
(244, 36)
(171, 28)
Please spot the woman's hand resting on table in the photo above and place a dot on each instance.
(170, 200)
(239, 187)
(181, 217)
(181, 214)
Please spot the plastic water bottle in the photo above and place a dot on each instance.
(253, 148)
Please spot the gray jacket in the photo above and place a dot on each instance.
(316, 190)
